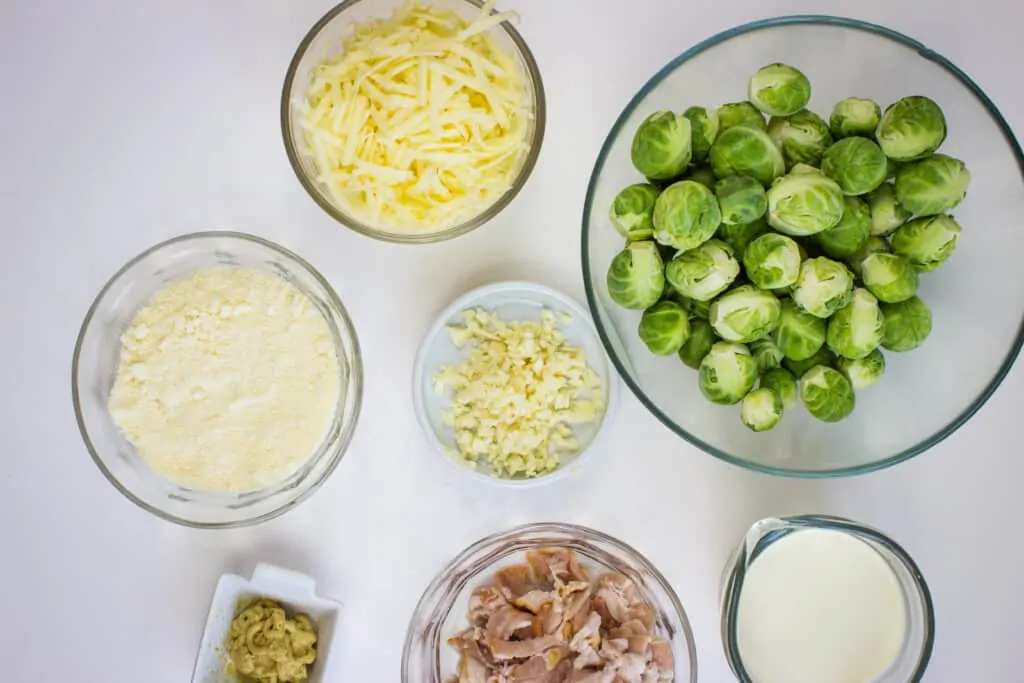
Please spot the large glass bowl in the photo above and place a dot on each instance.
(441, 612)
(96, 360)
(976, 298)
(324, 39)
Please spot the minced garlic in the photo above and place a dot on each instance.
(516, 395)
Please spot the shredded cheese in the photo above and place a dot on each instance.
(421, 122)
(517, 393)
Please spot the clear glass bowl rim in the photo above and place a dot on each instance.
(343, 440)
(525, 171)
(839, 524)
(472, 554)
(592, 303)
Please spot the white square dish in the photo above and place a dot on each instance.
(295, 591)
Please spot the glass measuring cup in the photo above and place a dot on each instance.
(909, 665)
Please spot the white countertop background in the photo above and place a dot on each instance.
(125, 122)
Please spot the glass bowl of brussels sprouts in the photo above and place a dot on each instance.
(833, 211)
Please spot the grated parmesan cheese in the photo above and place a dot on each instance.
(517, 394)
(227, 380)
(421, 122)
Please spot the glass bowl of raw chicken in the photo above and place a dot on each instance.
(549, 603)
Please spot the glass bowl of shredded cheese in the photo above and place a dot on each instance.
(217, 380)
(413, 121)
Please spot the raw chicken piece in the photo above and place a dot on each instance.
(548, 563)
(628, 666)
(534, 600)
(633, 627)
(516, 581)
(576, 605)
(643, 613)
(615, 595)
(541, 669)
(662, 660)
(546, 622)
(589, 634)
(472, 671)
(507, 621)
(469, 642)
(549, 619)
(484, 602)
(522, 649)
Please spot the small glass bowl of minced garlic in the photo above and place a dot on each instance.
(270, 628)
(217, 380)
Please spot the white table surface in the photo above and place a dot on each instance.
(126, 122)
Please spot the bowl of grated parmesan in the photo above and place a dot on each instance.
(512, 386)
(412, 121)
(217, 380)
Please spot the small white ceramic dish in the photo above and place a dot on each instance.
(295, 591)
(511, 301)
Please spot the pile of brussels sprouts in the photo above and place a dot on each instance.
(778, 257)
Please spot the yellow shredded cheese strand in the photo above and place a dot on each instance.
(421, 122)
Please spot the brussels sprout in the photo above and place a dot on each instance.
(632, 209)
(804, 203)
(772, 261)
(779, 90)
(702, 175)
(804, 169)
(686, 215)
(704, 130)
(761, 409)
(889, 277)
(856, 329)
(874, 245)
(887, 213)
(933, 185)
(827, 394)
(664, 327)
(744, 314)
(856, 164)
(926, 242)
(855, 116)
(661, 146)
(799, 368)
(766, 354)
(697, 345)
(911, 128)
(741, 198)
(739, 114)
(636, 277)
(823, 287)
(740, 235)
(907, 324)
(703, 273)
(802, 137)
(851, 233)
(782, 382)
(863, 372)
(742, 150)
(799, 334)
(727, 373)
